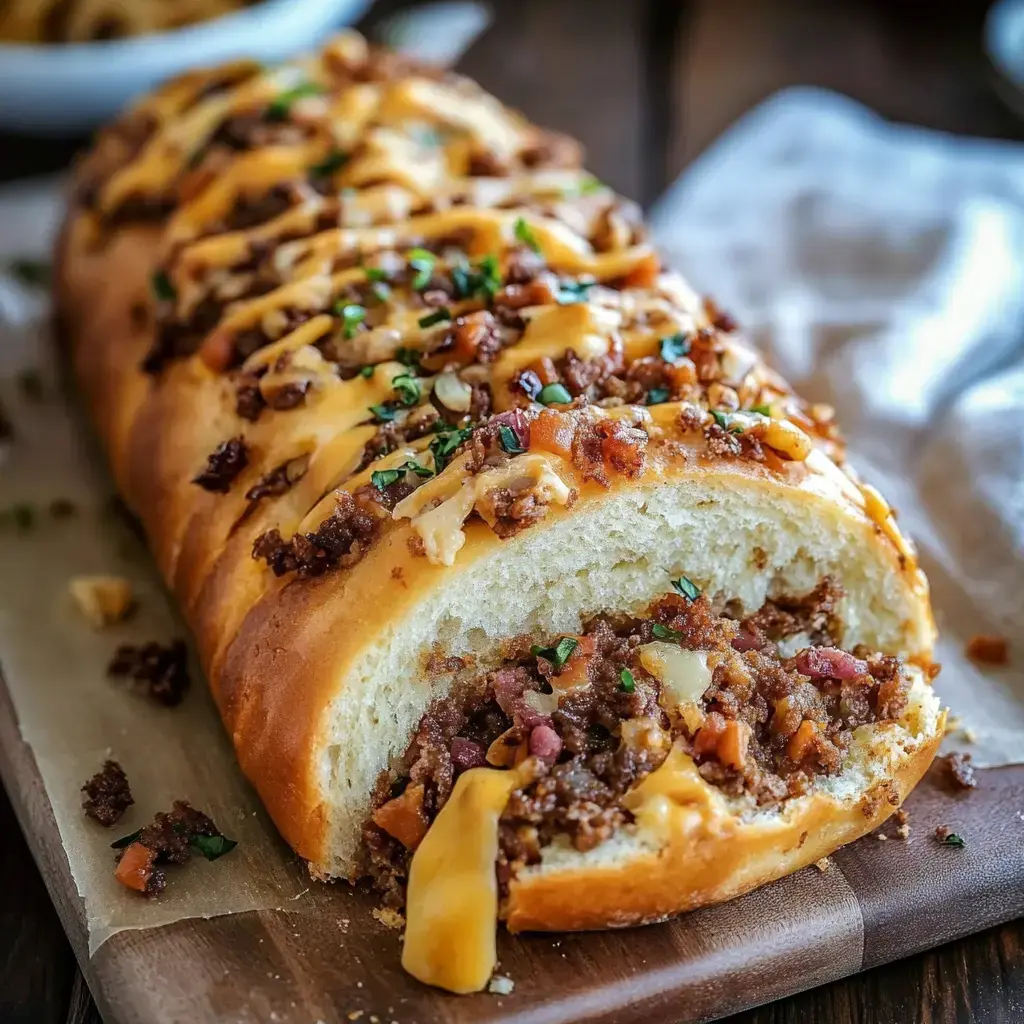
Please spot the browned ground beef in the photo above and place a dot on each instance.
(771, 724)
(107, 794)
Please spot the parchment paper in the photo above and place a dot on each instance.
(883, 270)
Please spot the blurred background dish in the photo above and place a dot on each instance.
(54, 88)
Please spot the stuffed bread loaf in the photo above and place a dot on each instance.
(521, 583)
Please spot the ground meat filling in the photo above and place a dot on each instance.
(584, 721)
(107, 794)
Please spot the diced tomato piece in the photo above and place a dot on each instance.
(135, 867)
(404, 818)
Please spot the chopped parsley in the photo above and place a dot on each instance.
(627, 680)
(483, 280)
(724, 420)
(332, 163)
(447, 442)
(162, 287)
(686, 587)
(376, 274)
(439, 316)
(673, 636)
(509, 441)
(408, 388)
(384, 413)
(954, 840)
(30, 384)
(212, 847)
(21, 515)
(674, 347)
(524, 233)
(280, 107)
(559, 654)
(657, 395)
(763, 410)
(384, 478)
(554, 394)
(423, 263)
(570, 292)
(120, 844)
(366, 371)
(352, 316)
(31, 272)
(380, 291)
(408, 357)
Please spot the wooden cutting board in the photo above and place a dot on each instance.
(332, 961)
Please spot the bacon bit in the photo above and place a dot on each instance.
(624, 448)
(829, 663)
(466, 754)
(545, 743)
(706, 740)
(553, 432)
(644, 274)
(748, 640)
(217, 351)
(804, 740)
(988, 649)
(135, 867)
(404, 817)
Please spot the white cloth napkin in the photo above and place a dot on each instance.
(881, 268)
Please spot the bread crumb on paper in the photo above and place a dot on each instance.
(499, 985)
(988, 649)
(103, 600)
(388, 917)
(823, 865)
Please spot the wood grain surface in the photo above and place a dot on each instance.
(646, 84)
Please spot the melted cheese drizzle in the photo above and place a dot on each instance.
(452, 898)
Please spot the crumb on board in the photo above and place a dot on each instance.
(958, 770)
(161, 670)
(823, 865)
(103, 600)
(988, 649)
(881, 837)
(945, 835)
(903, 832)
(500, 985)
(388, 917)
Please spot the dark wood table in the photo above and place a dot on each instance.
(647, 84)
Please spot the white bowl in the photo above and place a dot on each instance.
(66, 89)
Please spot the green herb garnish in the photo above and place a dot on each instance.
(559, 654)
(408, 388)
(280, 107)
(437, 317)
(509, 441)
(673, 636)
(120, 844)
(656, 396)
(162, 287)
(524, 233)
(954, 840)
(366, 371)
(423, 263)
(554, 394)
(628, 682)
(589, 185)
(380, 291)
(408, 357)
(686, 587)
(447, 442)
(36, 273)
(212, 847)
(352, 316)
(331, 164)
(724, 420)
(376, 274)
(384, 413)
(382, 479)
(484, 280)
(764, 410)
(674, 347)
(570, 292)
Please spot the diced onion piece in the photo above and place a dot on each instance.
(645, 734)
(453, 392)
(684, 675)
(542, 703)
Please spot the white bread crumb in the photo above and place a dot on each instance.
(388, 917)
(103, 600)
(499, 985)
